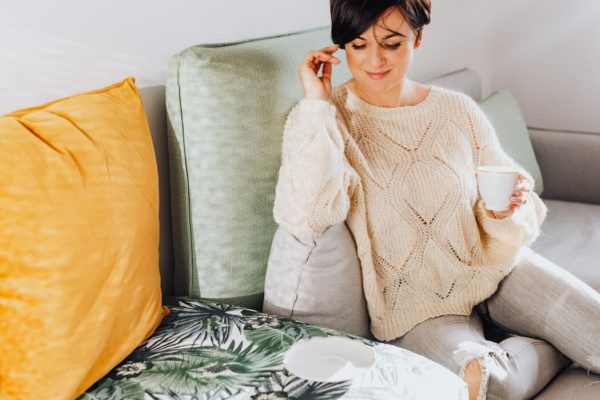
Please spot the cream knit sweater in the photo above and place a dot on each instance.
(404, 180)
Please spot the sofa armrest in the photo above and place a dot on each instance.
(570, 164)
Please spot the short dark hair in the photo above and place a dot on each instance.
(350, 18)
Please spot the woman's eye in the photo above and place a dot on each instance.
(387, 46)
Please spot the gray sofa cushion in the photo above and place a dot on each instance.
(569, 163)
(464, 80)
(154, 105)
(570, 238)
(573, 383)
(318, 282)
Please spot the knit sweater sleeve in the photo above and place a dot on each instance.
(315, 181)
(523, 226)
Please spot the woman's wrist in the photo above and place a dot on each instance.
(497, 214)
(501, 214)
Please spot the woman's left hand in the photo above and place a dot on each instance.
(517, 199)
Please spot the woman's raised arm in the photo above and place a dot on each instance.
(315, 179)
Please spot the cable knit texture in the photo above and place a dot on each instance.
(404, 180)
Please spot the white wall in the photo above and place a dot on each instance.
(459, 36)
(548, 54)
(51, 49)
(55, 48)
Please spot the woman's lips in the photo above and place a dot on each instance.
(379, 75)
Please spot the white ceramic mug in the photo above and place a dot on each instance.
(496, 184)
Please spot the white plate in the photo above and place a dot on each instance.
(328, 359)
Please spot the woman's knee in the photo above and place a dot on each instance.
(473, 377)
(493, 376)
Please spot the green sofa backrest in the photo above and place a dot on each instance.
(226, 106)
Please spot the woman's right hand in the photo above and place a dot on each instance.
(315, 86)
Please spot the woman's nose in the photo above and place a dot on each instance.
(376, 56)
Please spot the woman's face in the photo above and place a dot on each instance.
(380, 57)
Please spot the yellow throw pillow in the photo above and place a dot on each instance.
(79, 276)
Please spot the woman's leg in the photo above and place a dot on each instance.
(540, 299)
(516, 368)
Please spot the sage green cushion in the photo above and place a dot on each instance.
(226, 106)
(505, 115)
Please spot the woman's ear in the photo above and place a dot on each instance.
(418, 39)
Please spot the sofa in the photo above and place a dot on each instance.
(200, 319)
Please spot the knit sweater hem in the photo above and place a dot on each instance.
(397, 324)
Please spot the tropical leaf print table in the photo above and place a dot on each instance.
(205, 350)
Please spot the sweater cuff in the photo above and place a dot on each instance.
(308, 119)
(516, 230)
(319, 109)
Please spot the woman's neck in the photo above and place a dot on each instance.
(407, 93)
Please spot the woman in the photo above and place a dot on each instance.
(396, 159)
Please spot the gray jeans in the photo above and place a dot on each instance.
(549, 317)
